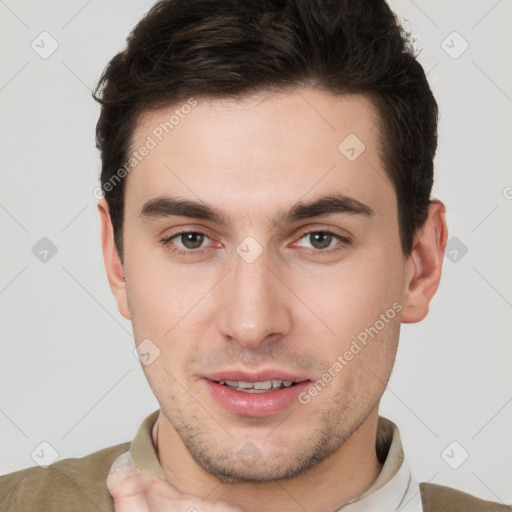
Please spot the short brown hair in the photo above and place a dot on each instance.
(232, 48)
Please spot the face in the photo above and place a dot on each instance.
(287, 271)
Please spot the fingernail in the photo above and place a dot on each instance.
(123, 461)
(127, 471)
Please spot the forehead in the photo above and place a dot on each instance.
(260, 150)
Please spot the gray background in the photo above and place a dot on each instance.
(68, 374)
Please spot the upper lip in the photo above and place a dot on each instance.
(260, 376)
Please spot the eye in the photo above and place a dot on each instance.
(324, 242)
(192, 242)
(186, 241)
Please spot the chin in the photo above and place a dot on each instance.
(249, 464)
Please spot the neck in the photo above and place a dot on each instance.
(343, 476)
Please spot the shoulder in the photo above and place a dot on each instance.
(439, 498)
(71, 484)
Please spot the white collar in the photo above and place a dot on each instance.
(400, 493)
(395, 489)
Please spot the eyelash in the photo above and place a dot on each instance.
(166, 242)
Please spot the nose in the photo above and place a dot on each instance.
(255, 305)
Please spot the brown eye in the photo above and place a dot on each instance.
(186, 241)
(320, 239)
(323, 242)
(191, 240)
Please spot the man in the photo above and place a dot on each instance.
(267, 226)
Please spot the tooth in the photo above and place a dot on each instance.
(263, 385)
(255, 387)
(245, 385)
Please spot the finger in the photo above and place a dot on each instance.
(222, 506)
(162, 497)
(134, 490)
(187, 504)
(161, 489)
(128, 485)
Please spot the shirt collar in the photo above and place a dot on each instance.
(394, 487)
(143, 450)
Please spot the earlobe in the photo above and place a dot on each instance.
(424, 265)
(113, 266)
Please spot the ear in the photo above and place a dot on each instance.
(424, 264)
(112, 260)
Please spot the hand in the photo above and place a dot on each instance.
(134, 490)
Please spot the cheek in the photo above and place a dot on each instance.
(351, 298)
(161, 296)
(363, 365)
(167, 309)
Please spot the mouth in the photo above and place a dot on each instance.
(266, 386)
(255, 394)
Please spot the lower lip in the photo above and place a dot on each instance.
(255, 404)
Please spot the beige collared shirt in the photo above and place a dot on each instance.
(395, 489)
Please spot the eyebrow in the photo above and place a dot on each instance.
(166, 206)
